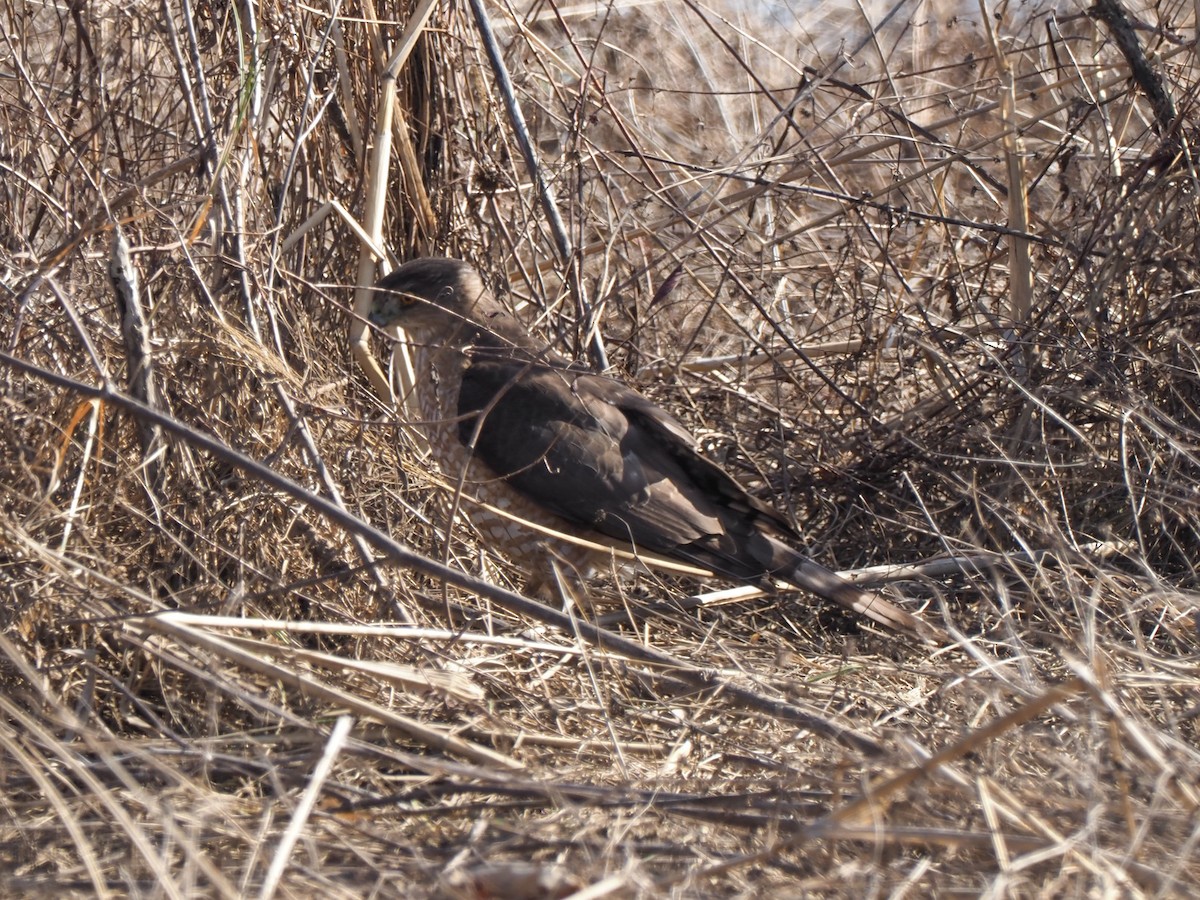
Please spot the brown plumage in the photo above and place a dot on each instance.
(527, 431)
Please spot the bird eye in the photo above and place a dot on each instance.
(404, 298)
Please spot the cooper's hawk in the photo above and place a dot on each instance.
(528, 432)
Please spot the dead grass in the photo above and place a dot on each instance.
(183, 634)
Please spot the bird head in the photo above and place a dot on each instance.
(443, 302)
(431, 296)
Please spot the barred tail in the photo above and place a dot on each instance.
(811, 576)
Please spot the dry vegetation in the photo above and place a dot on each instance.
(206, 689)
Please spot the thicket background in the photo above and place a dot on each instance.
(923, 275)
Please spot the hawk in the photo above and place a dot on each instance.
(526, 431)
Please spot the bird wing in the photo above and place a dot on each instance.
(652, 422)
(600, 455)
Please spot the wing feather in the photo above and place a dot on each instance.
(557, 436)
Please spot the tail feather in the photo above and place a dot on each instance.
(802, 572)
(756, 555)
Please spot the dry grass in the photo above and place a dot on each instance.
(205, 689)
